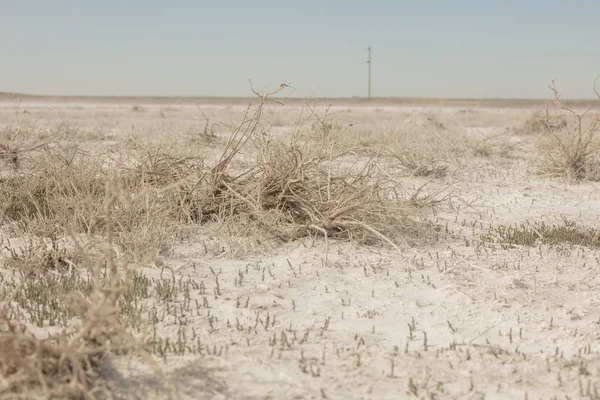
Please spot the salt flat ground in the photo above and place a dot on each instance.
(463, 317)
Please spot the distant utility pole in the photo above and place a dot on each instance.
(369, 62)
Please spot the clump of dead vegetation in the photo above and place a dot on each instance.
(68, 364)
(294, 188)
(61, 191)
(427, 153)
(14, 147)
(495, 146)
(9, 155)
(63, 366)
(537, 123)
(282, 188)
(440, 154)
(421, 163)
(569, 151)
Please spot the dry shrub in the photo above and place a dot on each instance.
(428, 122)
(327, 127)
(568, 153)
(284, 188)
(64, 131)
(34, 255)
(9, 156)
(67, 365)
(15, 144)
(538, 123)
(592, 168)
(294, 195)
(84, 300)
(208, 135)
(295, 188)
(57, 185)
(421, 164)
(493, 146)
(423, 196)
(431, 154)
(56, 368)
(59, 191)
(433, 122)
(62, 193)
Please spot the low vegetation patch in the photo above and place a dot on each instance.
(533, 234)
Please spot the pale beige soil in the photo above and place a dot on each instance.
(486, 322)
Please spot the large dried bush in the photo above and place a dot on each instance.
(292, 187)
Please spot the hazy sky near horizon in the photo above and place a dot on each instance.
(444, 48)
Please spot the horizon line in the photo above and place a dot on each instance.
(4, 95)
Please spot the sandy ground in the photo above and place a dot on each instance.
(457, 319)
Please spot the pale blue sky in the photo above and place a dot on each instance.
(449, 48)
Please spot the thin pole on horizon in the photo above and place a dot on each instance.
(369, 63)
